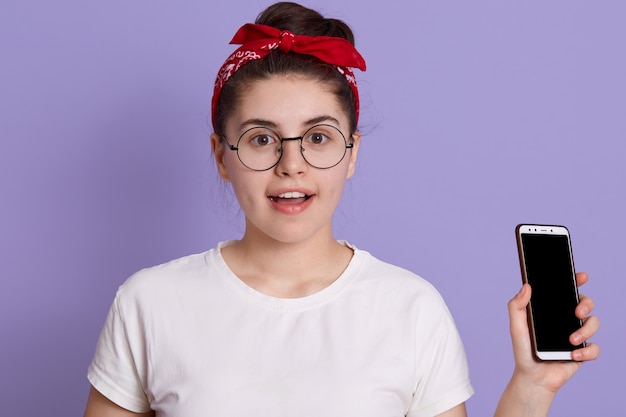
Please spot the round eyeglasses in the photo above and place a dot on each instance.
(260, 148)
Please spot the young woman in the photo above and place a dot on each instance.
(287, 320)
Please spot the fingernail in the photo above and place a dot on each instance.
(577, 356)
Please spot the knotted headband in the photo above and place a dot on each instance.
(259, 40)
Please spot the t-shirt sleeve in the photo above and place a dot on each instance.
(443, 380)
(113, 371)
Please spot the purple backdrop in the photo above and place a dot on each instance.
(477, 116)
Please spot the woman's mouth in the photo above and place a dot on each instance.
(291, 197)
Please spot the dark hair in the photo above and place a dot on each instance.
(301, 21)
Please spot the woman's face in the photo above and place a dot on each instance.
(293, 201)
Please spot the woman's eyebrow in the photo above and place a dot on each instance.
(320, 119)
(258, 122)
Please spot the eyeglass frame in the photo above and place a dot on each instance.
(300, 138)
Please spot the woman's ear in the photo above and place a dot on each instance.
(356, 140)
(218, 148)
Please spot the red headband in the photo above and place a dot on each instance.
(259, 40)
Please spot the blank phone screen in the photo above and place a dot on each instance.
(549, 270)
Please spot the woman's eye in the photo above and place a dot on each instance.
(317, 138)
(262, 140)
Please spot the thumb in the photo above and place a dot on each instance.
(519, 322)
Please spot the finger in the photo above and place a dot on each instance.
(517, 305)
(588, 353)
(588, 329)
(518, 319)
(584, 307)
(581, 278)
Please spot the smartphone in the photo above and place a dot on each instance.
(547, 264)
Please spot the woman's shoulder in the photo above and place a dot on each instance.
(398, 289)
(379, 272)
(187, 272)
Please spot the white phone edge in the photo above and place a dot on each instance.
(554, 356)
(542, 229)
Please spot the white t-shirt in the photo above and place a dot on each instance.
(189, 339)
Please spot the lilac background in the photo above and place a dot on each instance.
(477, 116)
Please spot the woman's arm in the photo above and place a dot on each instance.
(100, 406)
(535, 383)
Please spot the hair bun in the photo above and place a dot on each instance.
(303, 21)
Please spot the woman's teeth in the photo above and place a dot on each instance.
(292, 194)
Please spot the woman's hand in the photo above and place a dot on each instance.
(551, 375)
(534, 383)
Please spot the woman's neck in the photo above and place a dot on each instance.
(287, 270)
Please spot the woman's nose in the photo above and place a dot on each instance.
(291, 160)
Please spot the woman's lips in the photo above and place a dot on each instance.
(291, 197)
(291, 202)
